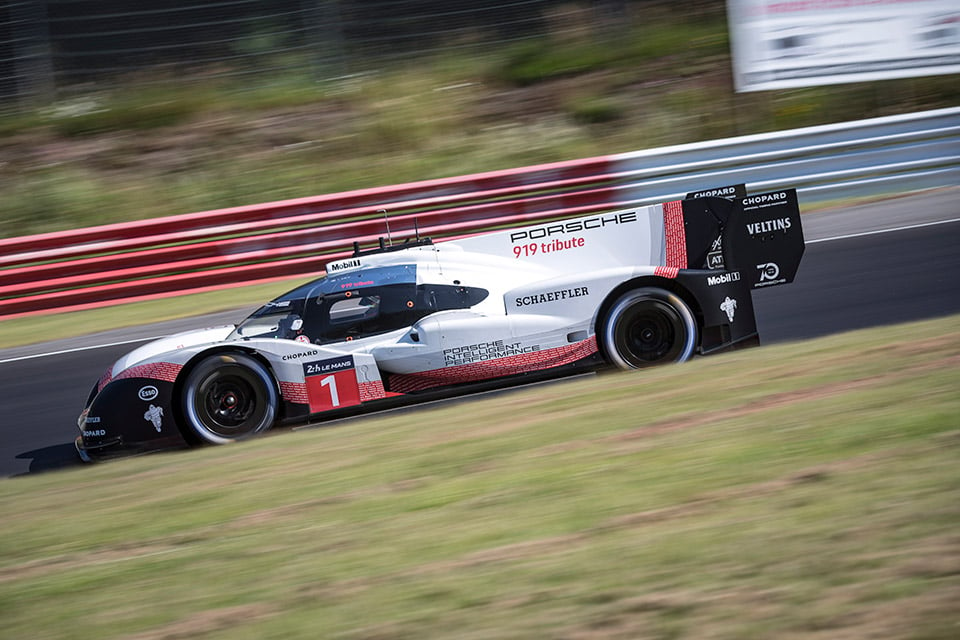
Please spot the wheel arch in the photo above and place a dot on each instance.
(667, 284)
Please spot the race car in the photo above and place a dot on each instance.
(404, 322)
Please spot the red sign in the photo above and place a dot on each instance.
(331, 384)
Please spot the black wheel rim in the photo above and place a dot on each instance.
(650, 332)
(229, 402)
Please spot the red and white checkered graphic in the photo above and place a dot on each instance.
(666, 272)
(497, 368)
(372, 391)
(105, 379)
(294, 392)
(675, 234)
(166, 371)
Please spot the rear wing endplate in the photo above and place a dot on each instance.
(763, 238)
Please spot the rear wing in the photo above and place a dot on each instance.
(760, 236)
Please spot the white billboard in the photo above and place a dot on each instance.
(779, 44)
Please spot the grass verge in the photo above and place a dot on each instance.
(802, 491)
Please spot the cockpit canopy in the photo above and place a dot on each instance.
(356, 304)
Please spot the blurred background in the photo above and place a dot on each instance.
(113, 111)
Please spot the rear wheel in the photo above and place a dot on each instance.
(646, 327)
(227, 397)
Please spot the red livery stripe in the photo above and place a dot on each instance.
(372, 391)
(676, 235)
(496, 368)
(166, 371)
(666, 272)
(294, 392)
(105, 379)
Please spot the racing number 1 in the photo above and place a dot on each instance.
(333, 391)
(331, 381)
(331, 384)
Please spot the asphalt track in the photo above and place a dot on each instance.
(877, 264)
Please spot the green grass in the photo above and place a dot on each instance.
(806, 490)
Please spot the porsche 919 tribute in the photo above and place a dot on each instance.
(624, 290)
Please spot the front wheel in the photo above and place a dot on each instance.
(646, 327)
(227, 397)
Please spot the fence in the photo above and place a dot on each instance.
(110, 264)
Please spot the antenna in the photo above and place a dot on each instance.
(387, 222)
(416, 229)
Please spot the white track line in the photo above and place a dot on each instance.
(843, 237)
(878, 231)
(87, 348)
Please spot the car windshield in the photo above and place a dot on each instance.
(354, 305)
(277, 319)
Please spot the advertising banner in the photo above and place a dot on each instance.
(779, 44)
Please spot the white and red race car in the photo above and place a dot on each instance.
(626, 289)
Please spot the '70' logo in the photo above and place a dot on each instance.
(768, 271)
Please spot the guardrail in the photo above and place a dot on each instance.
(97, 266)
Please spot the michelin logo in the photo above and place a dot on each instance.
(154, 415)
(729, 306)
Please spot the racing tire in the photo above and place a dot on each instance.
(228, 397)
(646, 327)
